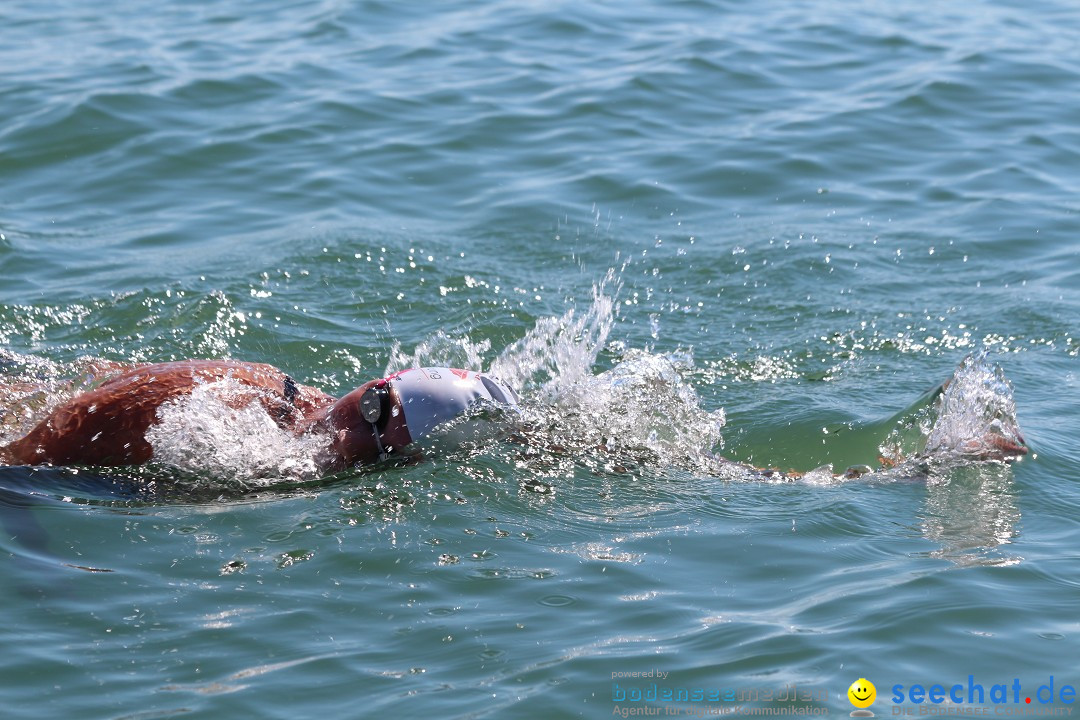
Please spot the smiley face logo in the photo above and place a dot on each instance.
(862, 693)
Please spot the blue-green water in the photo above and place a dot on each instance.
(811, 213)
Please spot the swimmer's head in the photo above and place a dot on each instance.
(383, 417)
(358, 440)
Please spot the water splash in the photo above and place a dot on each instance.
(643, 410)
(31, 386)
(973, 417)
(560, 352)
(976, 414)
(556, 352)
(439, 350)
(219, 437)
(644, 402)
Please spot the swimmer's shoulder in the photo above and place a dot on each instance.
(183, 375)
(113, 374)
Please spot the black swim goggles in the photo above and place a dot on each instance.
(375, 409)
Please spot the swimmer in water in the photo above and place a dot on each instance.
(108, 425)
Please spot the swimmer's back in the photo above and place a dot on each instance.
(107, 425)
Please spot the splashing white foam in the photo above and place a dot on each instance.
(976, 414)
(218, 434)
(31, 387)
(559, 352)
(439, 350)
(641, 403)
(644, 402)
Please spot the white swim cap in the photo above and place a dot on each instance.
(432, 396)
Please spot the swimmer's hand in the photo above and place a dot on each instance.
(976, 415)
(997, 447)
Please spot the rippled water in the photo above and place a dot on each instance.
(768, 231)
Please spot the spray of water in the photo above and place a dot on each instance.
(973, 418)
(439, 350)
(642, 409)
(216, 435)
(976, 414)
(31, 387)
(559, 353)
(643, 403)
